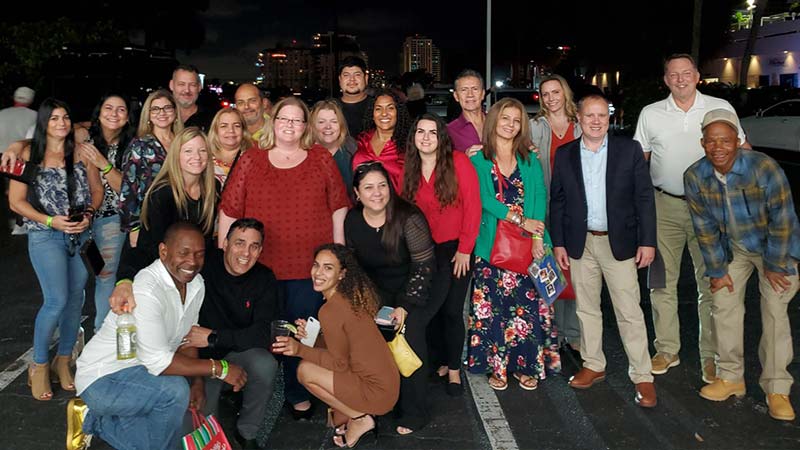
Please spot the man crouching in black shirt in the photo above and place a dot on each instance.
(241, 300)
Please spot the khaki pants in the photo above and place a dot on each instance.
(674, 228)
(775, 346)
(588, 273)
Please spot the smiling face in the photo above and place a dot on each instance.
(242, 250)
(249, 102)
(373, 192)
(326, 272)
(326, 128)
(426, 137)
(469, 93)
(162, 113)
(290, 122)
(721, 143)
(194, 156)
(552, 95)
(681, 77)
(59, 125)
(384, 113)
(229, 131)
(113, 114)
(352, 81)
(183, 256)
(509, 123)
(185, 86)
(593, 117)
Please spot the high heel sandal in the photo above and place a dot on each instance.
(39, 381)
(374, 430)
(61, 372)
(339, 428)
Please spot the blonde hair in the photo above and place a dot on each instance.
(570, 108)
(145, 125)
(213, 137)
(172, 176)
(329, 105)
(267, 140)
(522, 141)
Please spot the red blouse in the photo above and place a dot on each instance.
(556, 142)
(390, 157)
(460, 220)
(296, 206)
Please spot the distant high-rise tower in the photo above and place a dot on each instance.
(420, 53)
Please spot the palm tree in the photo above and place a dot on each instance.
(755, 25)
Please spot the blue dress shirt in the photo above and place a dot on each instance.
(594, 181)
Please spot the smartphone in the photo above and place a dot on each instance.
(312, 331)
(383, 317)
(16, 170)
(75, 215)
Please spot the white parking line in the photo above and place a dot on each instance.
(13, 370)
(492, 416)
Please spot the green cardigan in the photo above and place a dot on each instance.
(534, 205)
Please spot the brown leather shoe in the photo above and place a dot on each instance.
(646, 395)
(586, 378)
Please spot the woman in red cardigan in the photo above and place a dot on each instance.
(444, 185)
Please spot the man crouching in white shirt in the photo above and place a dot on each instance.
(139, 403)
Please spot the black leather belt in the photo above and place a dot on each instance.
(680, 197)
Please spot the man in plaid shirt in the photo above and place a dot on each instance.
(744, 218)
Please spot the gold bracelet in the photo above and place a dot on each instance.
(213, 368)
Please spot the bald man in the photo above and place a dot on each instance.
(253, 105)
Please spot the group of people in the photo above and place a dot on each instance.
(281, 212)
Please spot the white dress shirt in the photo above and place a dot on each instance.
(161, 322)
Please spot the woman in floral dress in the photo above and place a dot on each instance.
(510, 328)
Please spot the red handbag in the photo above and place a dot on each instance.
(512, 244)
(569, 292)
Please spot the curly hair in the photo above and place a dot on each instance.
(355, 286)
(403, 125)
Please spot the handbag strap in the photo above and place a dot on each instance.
(197, 419)
(501, 181)
(401, 329)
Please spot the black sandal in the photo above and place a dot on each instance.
(373, 430)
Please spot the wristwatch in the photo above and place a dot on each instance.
(212, 339)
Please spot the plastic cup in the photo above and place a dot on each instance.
(277, 328)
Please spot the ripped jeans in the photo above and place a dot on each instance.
(109, 239)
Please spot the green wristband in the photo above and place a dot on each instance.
(224, 369)
(107, 168)
(124, 280)
(49, 222)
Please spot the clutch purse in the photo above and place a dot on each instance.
(407, 361)
(547, 276)
(92, 258)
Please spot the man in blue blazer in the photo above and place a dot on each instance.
(603, 226)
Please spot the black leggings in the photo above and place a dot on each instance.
(446, 330)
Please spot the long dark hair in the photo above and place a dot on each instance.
(400, 133)
(39, 141)
(126, 133)
(446, 184)
(398, 209)
(355, 286)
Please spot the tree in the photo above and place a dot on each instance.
(696, 27)
(755, 26)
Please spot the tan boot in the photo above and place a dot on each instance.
(721, 389)
(780, 407)
(39, 381)
(662, 362)
(61, 371)
(709, 371)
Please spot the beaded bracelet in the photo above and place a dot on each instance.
(224, 369)
(107, 169)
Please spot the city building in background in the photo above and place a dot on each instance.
(419, 52)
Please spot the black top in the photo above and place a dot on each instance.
(161, 213)
(354, 115)
(201, 118)
(239, 308)
(401, 282)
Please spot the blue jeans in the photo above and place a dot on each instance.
(301, 301)
(134, 410)
(109, 239)
(62, 277)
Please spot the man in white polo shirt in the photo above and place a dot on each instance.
(669, 131)
(139, 403)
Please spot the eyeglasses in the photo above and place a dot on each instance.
(167, 109)
(287, 121)
(367, 166)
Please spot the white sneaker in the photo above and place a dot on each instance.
(18, 230)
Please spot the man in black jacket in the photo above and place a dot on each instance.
(603, 226)
(241, 300)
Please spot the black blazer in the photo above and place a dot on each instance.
(630, 204)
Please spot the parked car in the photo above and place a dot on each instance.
(528, 97)
(775, 127)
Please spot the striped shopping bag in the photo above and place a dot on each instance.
(208, 434)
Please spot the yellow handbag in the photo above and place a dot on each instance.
(407, 361)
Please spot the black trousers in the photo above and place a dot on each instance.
(446, 329)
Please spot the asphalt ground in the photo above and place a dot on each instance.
(551, 417)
